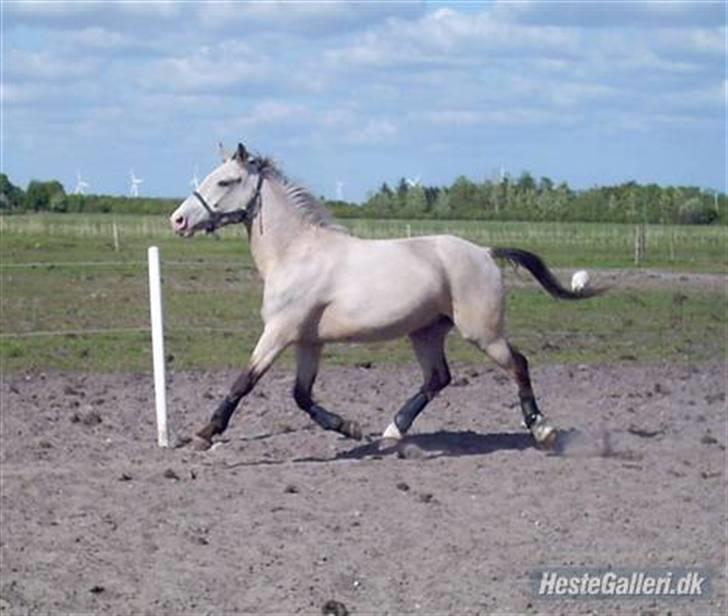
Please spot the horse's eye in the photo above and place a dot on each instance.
(226, 183)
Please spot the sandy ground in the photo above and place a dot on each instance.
(285, 518)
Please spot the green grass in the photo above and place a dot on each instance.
(597, 245)
(57, 280)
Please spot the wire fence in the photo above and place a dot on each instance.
(71, 296)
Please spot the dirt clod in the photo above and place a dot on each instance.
(334, 608)
(708, 439)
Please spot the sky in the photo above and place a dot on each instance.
(345, 96)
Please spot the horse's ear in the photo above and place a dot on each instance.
(224, 154)
(241, 154)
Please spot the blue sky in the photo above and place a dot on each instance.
(362, 93)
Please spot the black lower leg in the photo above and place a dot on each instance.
(408, 413)
(326, 419)
(529, 408)
(221, 417)
(439, 379)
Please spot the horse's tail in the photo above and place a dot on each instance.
(534, 264)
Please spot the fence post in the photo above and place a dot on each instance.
(160, 380)
(640, 242)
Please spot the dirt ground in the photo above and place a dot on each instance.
(635, 279)
(285, 518)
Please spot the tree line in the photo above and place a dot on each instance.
(525, 198)
(50, 196)
(522, 198)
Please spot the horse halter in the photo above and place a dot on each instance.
(245, 214)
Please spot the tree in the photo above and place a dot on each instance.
(462, 197)
(415, 202)
(11, 196)
(441, 207)
(545, 184)
(41, 195)
(695, 212)
(526, 183)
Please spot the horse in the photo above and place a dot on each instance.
(323, 285)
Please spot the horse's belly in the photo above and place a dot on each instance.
(382, 290)
(376, 318)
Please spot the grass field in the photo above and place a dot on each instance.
(71, 301)
(599, 245)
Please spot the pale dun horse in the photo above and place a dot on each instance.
(323, 285)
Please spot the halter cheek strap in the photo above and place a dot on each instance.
(213, 215)
(246, 214)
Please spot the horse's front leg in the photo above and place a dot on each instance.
(270, 345)
(308, 357)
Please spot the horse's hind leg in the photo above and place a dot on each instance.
(429, 346)
(308, 357)
(508, 358)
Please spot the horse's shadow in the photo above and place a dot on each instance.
(443, 444)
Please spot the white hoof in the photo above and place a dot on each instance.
(543, 432)
(392, 432)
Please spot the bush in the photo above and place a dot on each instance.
(696, 212)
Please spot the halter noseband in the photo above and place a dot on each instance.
(245, 214)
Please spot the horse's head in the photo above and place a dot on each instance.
(228, 195)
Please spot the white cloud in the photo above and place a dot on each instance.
(206, 70)
(270, 112)
(595, 14)
(374, 132)
(449, 37)
(46, 66)
(507, 117)
(328, 19)
(694, 43)
(75, 15)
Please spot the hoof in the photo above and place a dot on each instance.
(200, 443)
(352, 429)
(550, 441)
(392, 433)
(544, 433)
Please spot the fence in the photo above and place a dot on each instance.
(70, 299)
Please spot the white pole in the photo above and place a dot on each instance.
(115, 232)
(160, 381)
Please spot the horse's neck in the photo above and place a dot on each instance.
(275, 229)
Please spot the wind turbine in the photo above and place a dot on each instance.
(195, 182)
(339, 190)
(81, 186)
(413, 183)
(134, 187)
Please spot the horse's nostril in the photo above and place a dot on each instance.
(180, 222)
